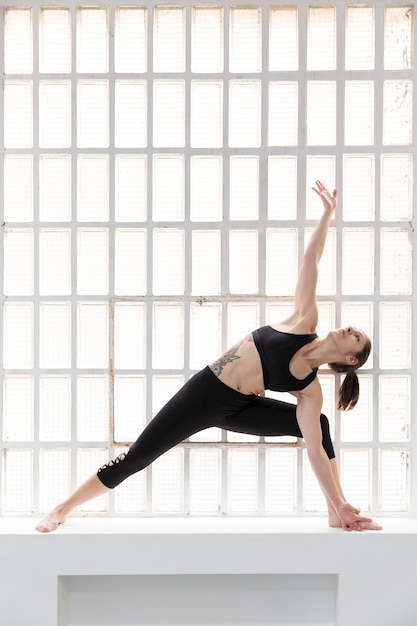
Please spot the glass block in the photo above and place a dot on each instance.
(130, 262)
(93, 261)
(54, 477)
(356, 424)
(93, 114)
(17, 481)
(244, 113)
(168, 188)
(130, 41)
(242, 319)
(283, 114)
(131, 495)
(245, 49)
(55, 262)
(163, 389)
(241, 437)
(131, 114)
(396, 187)
(18, 337)
(393, 487)
(93, 335)
(395, 335)
(18, 261)
(207, 39)
(398, 37)
(358, 187)
(129, 407)
(282, 187)
(206, 262)
(18, 408)
(129, 335)
(283, 38)
(359, 113)
(169, 113)
(206, 124)
(206, 188)
(205, 334)
(18, 188)
(398, 113)
(243, 261)
(244, 187)
(321, 38)
(394, 408)
(18, 40)
(168, 336)
(359, 314)
(281, 261)
(54, 408)
(360, 37)
(321, 113)
(93, 410)
(169, 39)
(131, 187)
(327, 316)
(358, 270)
(55, 188)
(92, 40)
(205, 481)
(168, 482)
(356, 477)
(93, 188)
(168, 261)
(88, 462)
(242, 480)
(318, 167)
(313, 498)
(55, 335)
(327, 279)
(18, 114)
(55, 40)
(277, 311)
(209, 435)
(396, 261)
(54, 114)
(280, 480)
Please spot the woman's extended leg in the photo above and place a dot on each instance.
(199, 404)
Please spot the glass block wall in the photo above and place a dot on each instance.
(158, 161)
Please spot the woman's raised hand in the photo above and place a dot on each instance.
(329, 199)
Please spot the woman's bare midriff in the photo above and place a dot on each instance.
(240, 368)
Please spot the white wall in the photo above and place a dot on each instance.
(214, 572)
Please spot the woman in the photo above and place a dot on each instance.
(227, 394)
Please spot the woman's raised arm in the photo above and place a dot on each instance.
(305, 293)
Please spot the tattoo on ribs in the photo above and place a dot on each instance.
(228, 357)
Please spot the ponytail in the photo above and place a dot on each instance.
(348, 392)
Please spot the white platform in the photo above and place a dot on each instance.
(207, 571)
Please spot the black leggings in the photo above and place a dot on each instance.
(204, 401)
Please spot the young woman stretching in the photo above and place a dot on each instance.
(282, 357)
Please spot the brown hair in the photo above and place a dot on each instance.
(349, 391)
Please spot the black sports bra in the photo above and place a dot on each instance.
(276, 349)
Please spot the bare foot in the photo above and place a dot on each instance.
(334, 522)
(51, 521)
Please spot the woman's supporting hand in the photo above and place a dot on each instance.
(329, 199)
(351, 520)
